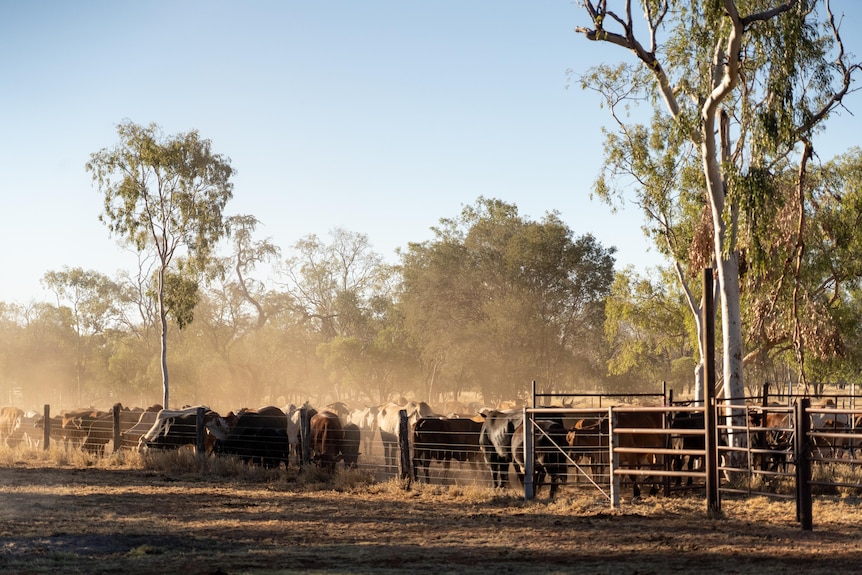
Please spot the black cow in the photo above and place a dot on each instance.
(444, 439)
(550, 459)
(685, 420)
(495, 441)
(178, 428)
(350, 446)
(257, 437)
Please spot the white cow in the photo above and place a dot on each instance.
(366, 420)
(388, 422)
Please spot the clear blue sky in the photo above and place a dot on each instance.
(380, 117)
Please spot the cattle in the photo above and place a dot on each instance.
(822, 416)
(101, 429)
(29, 431)
(258, 437)
(77, 424)
(445, 439)
(350, 446)
(366, 420)
(55, 432)
(99, 433)
(828, 447)
(327, 439)
(597, 431)
(389, 421)
(771, 436)
(642, 441)
(495, 442)
(456, 409)
(551, 460)
(10, 419)
(175, 428)
(293, 431)
(132, 436)
(687, 420)
(824, 421)
(588, 445)
(340, 409)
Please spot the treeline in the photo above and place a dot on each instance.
(492, 302)
(489, 304)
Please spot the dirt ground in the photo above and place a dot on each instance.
(133, 521)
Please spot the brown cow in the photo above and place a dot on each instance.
(592, 436)
(771, 433)
(10, 419)
(327, 439)
(76, 425)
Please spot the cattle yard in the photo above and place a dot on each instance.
(608, 452)
(425, 499)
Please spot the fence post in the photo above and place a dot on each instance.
(404, 446)
(529, 461)
(46, 430)
(305, 436)
(200, 431)
(613, 459)
(116, 412)
(803, 465)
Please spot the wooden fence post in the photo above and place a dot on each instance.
(115, 411)
(305, 436)
(404, 446)
(200, 431)
(46, 430)
(803, 465)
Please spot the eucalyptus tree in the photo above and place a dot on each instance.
(500, 300)
(95, 303)
(735, 88)
(165, 195)
(246, 254)
(650, 330)
(343, 289)
(802, 299)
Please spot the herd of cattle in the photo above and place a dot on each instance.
(487, 440)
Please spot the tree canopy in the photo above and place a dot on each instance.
(737, 90)
(164, 194)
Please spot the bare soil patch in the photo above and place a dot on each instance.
(138, 521)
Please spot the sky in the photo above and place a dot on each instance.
(378, 117)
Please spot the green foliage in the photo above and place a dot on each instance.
(160, 195)
(737, 117)
(181, 297)
(496, 301)
(648, 330)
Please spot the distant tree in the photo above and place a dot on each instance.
(164, 195)
(342, 289)
(247, 254)
(499, 300)
(94, 302)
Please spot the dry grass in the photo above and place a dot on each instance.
(175, 512)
